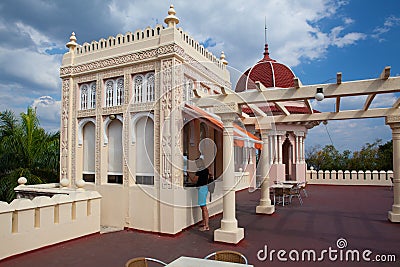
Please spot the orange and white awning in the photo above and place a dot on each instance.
(241, 137)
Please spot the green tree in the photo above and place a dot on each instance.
(372, 156)
(27, 150)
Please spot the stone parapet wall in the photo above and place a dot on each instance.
(377, 178)
(31, 224)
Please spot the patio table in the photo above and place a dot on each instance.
(196, 262)
(282, 187)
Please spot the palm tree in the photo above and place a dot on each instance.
(27, 150)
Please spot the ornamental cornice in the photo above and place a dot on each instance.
(86, 113)
(194, 64)
(112, 110)
(299, 133)
(226, 108)
(392, 119)
(138, 107)
(122, 60)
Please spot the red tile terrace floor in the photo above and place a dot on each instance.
(355, 213)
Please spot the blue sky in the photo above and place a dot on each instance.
(316, 38)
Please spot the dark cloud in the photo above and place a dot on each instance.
(57, 19)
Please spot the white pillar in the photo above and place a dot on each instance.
(265, 206)
(297, 150)
(276, 153)
(279, 149)
(303, 150)
(271, 151)
(394, 123)
(229, 231)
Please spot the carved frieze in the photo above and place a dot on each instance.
(121, 60)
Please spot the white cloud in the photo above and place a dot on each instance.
(293, 33)
(390, 22)
(349, 134)
(48, 111)
(31, 66)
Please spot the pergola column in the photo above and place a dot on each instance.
(229, 231)
(265, 206)
(394, 123)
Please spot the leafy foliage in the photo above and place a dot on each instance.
(373, 156)
(27, 150)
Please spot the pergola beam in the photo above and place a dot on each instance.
(396, 104)
(297, 82)
(385, 73)
(353, 88)
(258, 86)
(337, 103)
(308, 104)
(343, 115)
(282, 108)
(257, 110)
(338, 78)
(368, 101)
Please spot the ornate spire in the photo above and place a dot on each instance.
(72, 42)
(222, 58)
(266, 54)
(171, 19)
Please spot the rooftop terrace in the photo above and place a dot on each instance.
(356, 213)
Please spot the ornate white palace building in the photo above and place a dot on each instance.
(128, 120)
(139, 108)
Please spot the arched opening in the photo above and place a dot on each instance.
(89, 144)
(145, 151)
(287, 158)
(115, 152)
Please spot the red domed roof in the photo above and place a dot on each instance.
(267, 71)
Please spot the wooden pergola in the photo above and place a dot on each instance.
(228, 106)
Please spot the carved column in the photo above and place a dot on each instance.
(279, 149)
(64, 135)
(229, 231)
(297, 149)
(265, 206)
(394, 123)
(302, 159)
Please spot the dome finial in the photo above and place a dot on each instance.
(265, 30)
(222, 58)
(171, 19)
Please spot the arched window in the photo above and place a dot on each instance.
(120, 92)
(88, 95)
(93, 95)
(109, 93)
(144, 88)
(150, 87)
(114, 92)
(138, 88)
(88, 173)
(115, 156)
(145, 151)
(84, 96)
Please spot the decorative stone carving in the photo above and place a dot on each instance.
(86, 113)
(226, 108)
(64, 128)
(166, 106)
(121, 60)
(299, 133)
(147, 106)
(392, 119)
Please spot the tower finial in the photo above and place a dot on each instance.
(171, 19)
(222, 58)
(72, 42)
